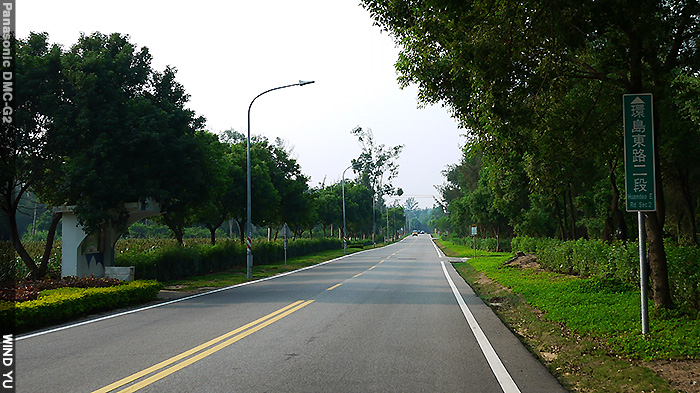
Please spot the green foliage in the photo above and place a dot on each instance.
(487, 244)
(603, 308)
(149, 229)
(97, 127)
(57, 305)
(7, 263)
(616, 261)
(376, 166)
(167, 262)
(358, 207)
(36, 249)
(684, 270)
(30, 289)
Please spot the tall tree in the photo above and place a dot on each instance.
(28, 149)
(96, 128)
(375, 162)
(227, 187)
(329, 206)
(292, 186)
(263, 192)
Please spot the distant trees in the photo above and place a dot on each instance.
(538, 85)
(358, 208)
(280, 190)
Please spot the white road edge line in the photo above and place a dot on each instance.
(58, 329)
(439, 251)
(499, 370)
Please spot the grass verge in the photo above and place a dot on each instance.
(587, 331)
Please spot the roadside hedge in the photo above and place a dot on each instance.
(487, 244)
(617, 261)
(174, 262)
(58, 305)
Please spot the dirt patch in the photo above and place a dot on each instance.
(524, 261)
(683, 374)
(483, 280)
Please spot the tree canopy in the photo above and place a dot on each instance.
(96, 127)
(538, 86)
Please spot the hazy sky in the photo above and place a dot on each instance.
(227, 53)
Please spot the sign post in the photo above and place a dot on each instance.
(474, 230)
(285, 229)
(640, 180)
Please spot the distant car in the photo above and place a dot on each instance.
(415, 233)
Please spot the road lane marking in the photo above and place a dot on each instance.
(357, 275)
(499, 370)
(437, 249)
(372, 267)
(238, 334)
(334, 287)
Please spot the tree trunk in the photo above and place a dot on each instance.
(241, 226)
(655, 220)
(11, 210)
(44, 266)
(608, 229)
(562, 232)
(175, 226)
(572, 209)
(498, 238)
(619, 218)
(212, 234)
(684, 177)
(657, 262)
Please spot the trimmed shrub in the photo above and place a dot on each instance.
(173, 262)
(57, 305)
(617, 261)
(486, 244)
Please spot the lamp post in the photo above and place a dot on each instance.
(345, 228)
(249, 240)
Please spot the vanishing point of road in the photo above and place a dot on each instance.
(391, 319)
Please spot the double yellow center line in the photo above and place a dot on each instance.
(200, 352)
(163, 369)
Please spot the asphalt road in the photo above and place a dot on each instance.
(392, 319)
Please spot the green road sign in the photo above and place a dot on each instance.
(640, 184)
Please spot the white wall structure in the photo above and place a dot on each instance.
(85, 255)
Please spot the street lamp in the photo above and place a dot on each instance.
(345, 228)
(249, 241)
